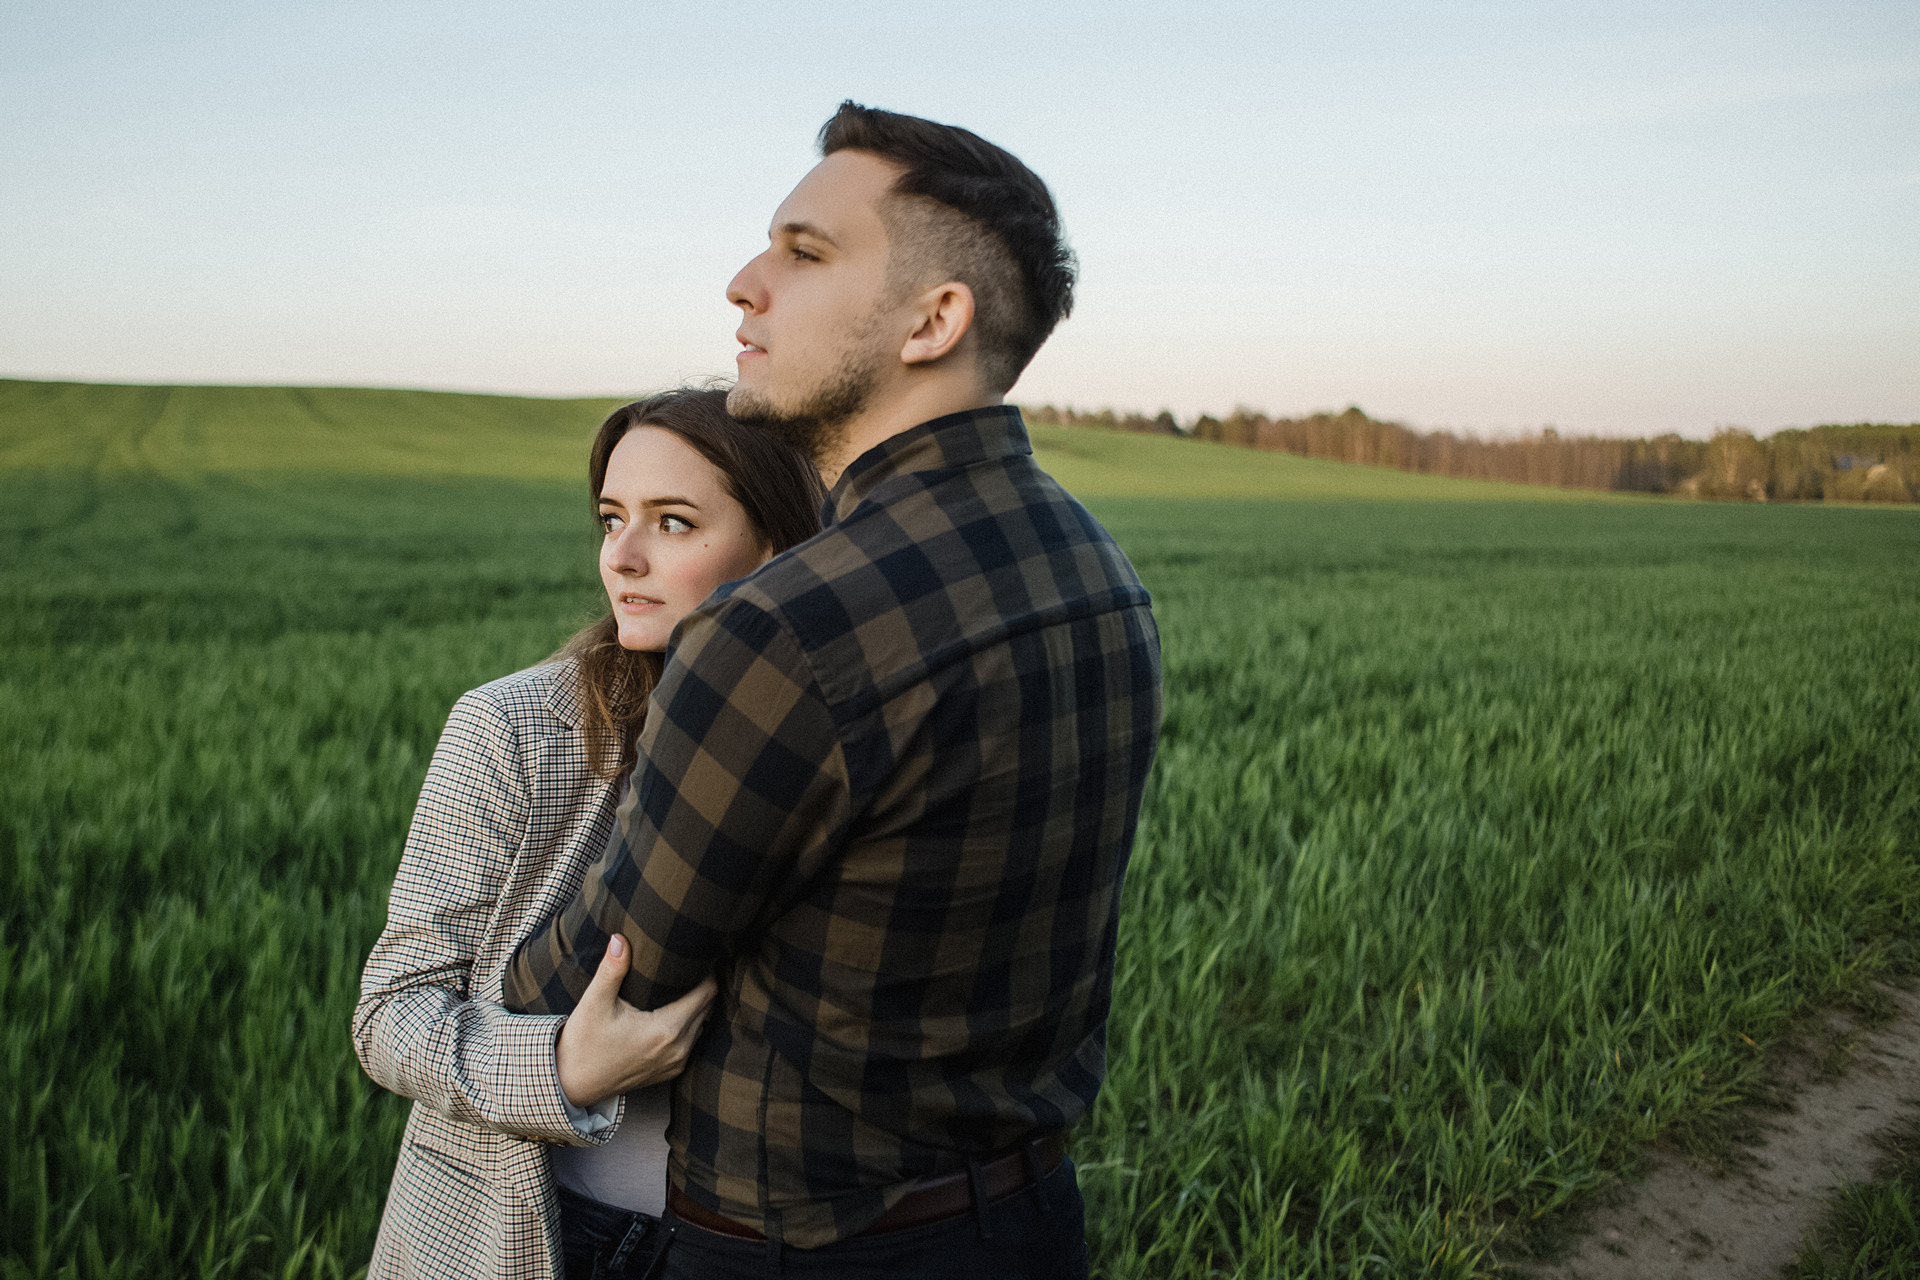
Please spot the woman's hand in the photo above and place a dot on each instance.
(607, 1046)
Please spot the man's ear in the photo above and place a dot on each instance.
(943, 318)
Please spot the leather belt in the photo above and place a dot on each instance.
(945, 1195)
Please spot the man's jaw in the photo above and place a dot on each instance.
(815, 420)
(815, 437)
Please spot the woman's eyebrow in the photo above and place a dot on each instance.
(671, 502)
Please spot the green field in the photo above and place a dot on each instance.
(183, 433)
(1494, 830)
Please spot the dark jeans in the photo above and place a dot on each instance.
(1035, 1234)
(600, 1242)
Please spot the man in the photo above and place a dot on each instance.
(889, 782)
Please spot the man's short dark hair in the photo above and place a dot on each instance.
(966, 210)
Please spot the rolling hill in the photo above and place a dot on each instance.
(188, 430)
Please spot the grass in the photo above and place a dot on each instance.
(1095, 463)
(1483, 844)
(186, 432)
(1484, 838)
(1872, 1229)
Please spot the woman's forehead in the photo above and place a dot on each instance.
(652, 460)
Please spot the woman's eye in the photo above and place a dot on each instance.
(610, 522)
(674, 524)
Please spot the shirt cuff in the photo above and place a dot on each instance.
(587, 1121)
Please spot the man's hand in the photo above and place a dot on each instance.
(607, 1046)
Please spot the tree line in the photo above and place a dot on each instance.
(1865, 462)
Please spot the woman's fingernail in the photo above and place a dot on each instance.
(618, 946)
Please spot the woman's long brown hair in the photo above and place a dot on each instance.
(781, 494)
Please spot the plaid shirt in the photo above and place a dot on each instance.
(887, 789)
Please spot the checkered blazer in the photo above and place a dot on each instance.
(887, 790)
(509, 819)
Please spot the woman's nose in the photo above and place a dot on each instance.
(625, 554)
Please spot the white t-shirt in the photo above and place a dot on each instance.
(630, 1171)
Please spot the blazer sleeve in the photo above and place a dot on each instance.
(416, 1029)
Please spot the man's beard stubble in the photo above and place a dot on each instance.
(817, 424)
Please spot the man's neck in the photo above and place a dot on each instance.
(906, 409)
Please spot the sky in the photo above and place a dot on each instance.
(1611, 218)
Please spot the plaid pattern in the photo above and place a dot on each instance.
(887, 789)
(509, 820)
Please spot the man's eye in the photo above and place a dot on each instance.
(674, 524)
(803, 255)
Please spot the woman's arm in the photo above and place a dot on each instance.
(610, 1047)
(415, 1029)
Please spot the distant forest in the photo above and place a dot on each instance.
(1861, 463)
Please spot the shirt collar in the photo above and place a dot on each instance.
(956, 440)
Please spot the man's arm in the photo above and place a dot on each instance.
(740, 791)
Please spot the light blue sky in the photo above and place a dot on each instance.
(1610, 217)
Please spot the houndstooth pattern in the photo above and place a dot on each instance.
(509, 819)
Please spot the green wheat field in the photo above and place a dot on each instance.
(1494, 830)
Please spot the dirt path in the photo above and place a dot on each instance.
(1685, 1222)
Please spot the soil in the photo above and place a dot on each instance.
(1743, 1214)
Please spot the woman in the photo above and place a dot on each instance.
(535, 1143)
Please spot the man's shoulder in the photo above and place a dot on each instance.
(997, 541)
(788, 592)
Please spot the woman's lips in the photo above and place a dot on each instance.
(638, 604)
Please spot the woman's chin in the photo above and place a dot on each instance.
(637, 643)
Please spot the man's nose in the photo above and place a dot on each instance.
(744, 290)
